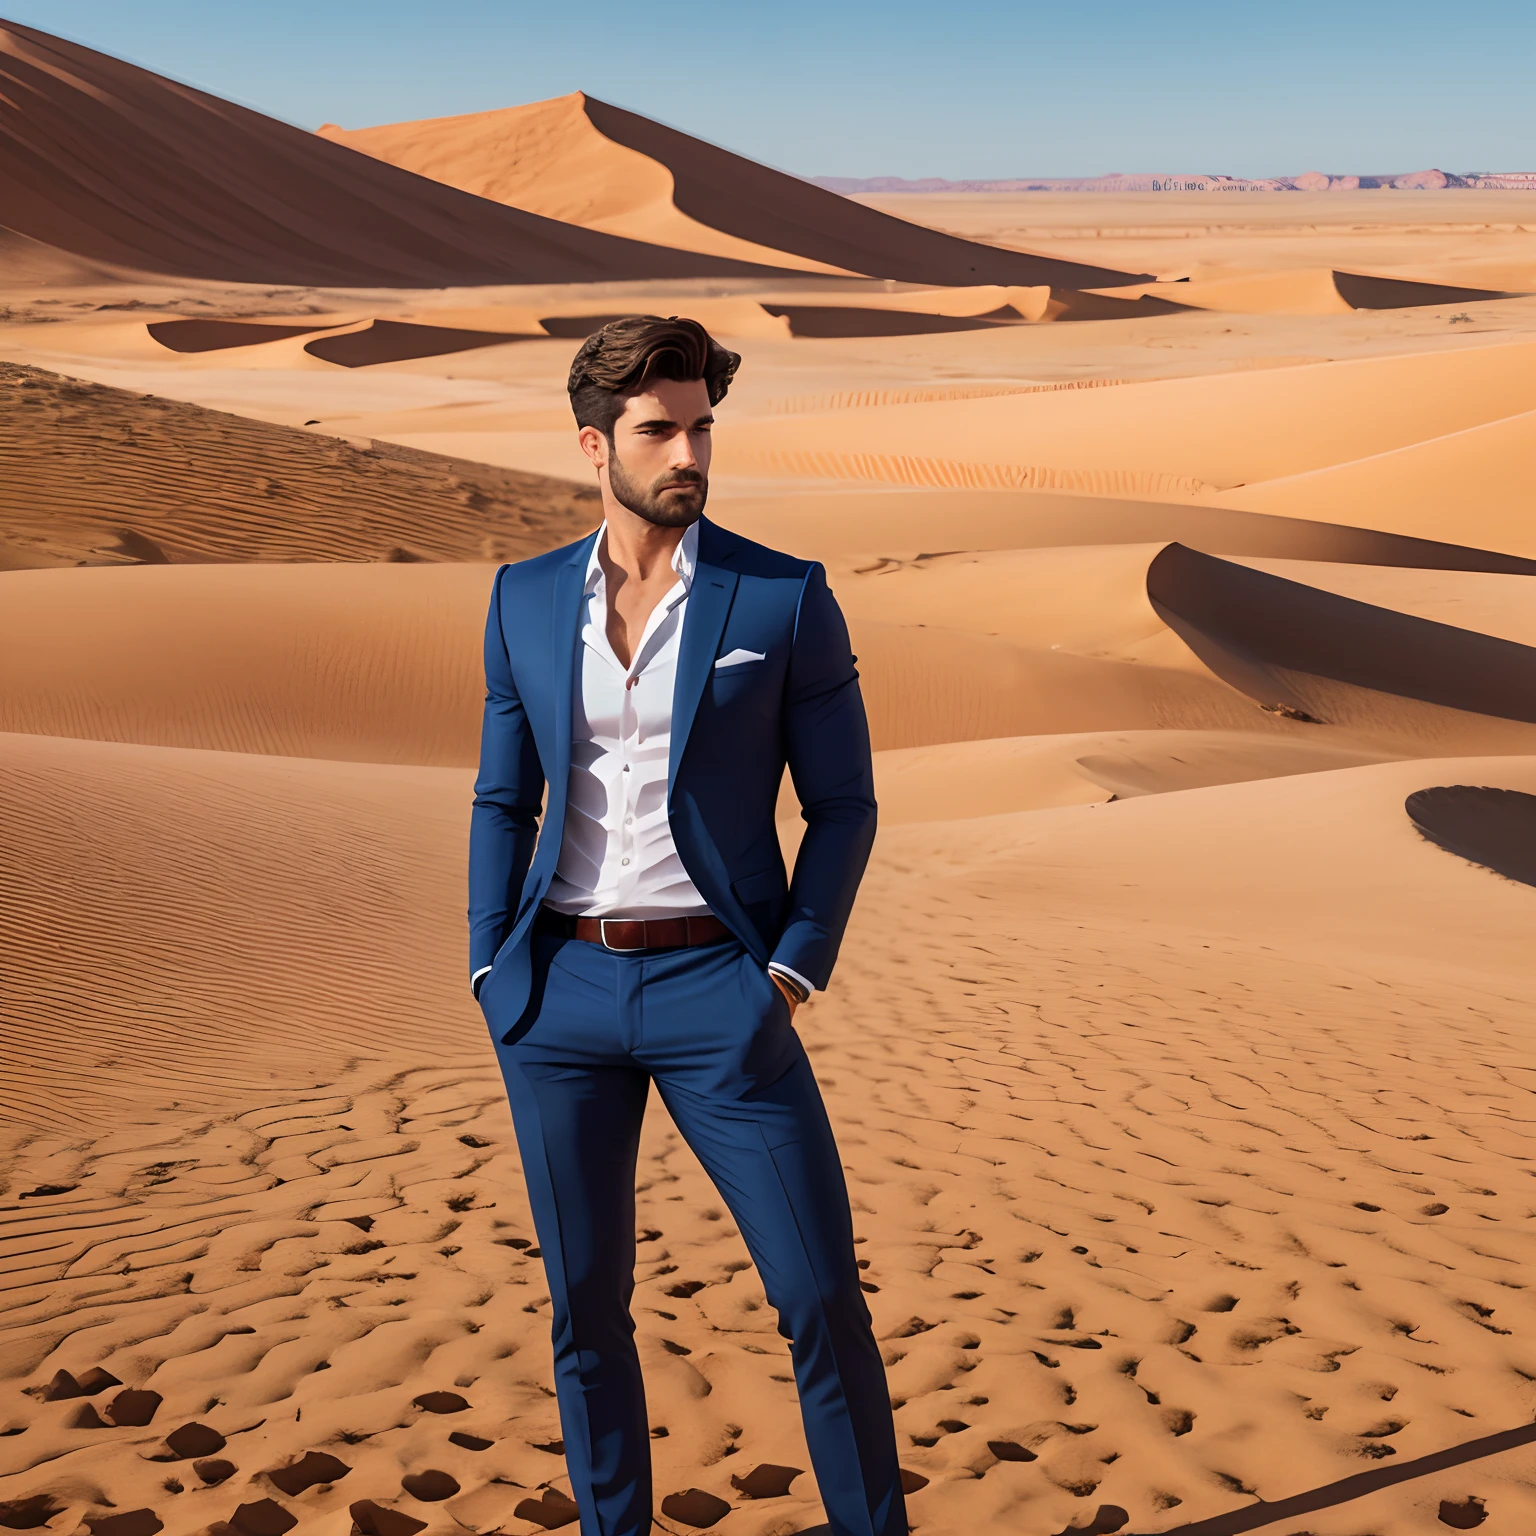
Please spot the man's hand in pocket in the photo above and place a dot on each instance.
(787, 991)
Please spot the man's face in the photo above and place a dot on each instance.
(658, 462)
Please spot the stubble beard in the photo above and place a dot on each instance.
(660, 502)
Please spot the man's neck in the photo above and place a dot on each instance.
(636, 548)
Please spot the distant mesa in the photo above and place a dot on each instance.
(1157, 181)
(581, 160)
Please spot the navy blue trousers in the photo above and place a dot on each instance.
(709, 1028)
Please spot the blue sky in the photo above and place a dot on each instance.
(961, 88)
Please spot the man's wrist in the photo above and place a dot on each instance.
(795, 985)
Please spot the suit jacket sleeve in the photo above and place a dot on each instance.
(827, 741)
(509, 792)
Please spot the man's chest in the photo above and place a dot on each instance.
(612, 706)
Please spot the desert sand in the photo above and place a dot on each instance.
(1182, 1047)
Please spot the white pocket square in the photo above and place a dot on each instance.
(738, 656)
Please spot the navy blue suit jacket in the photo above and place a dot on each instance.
(733, 732)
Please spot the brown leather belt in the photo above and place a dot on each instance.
(629, 935)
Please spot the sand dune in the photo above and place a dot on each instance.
(1026, 773)
(1054, 1181)
(1489, 602)
(831, 320)
(1029, 642)
(380, 662)
(1472, 483)
(140, 829)
(1364, 290)
(1472, 238)
(891, 524)
(1171, 437)
(394, 341)
(351, 344)
(1067, 305)
(1322, 657)
(121, 167)
(360, 663)
(1316, 291)
(99, 475)
(580, 160)
(221, 335)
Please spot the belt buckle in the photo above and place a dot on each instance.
(618, 949)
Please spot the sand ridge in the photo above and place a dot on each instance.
(1055, 1344)
(122, 167)
(129, 479)
(579, 159)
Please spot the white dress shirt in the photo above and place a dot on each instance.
(617, 857)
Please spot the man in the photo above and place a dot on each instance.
(658, 676)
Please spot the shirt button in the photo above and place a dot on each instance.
(623, 861)
(629, 821)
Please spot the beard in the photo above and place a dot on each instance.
(672, 500)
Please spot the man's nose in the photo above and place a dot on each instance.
(682, 454)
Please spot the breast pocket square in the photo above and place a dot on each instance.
(737, 657)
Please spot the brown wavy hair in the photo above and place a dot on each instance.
(627, 353)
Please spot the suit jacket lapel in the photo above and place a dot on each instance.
(564, 617)
(709, 604)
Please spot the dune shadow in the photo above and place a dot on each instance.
(398, 341)
(1495, 828)
(1256, 1516)
(119, 166)
(1362, 292)
(219, 335)
(574, 326)
(1069, 304)
(1244, 624)
(770, 208)
(832, 320)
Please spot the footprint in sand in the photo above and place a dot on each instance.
(377, 1520)
(131, 1522)
(189, 1441)
(430, 1486)
(1462, 1514)
(765, 1481)
(28, 1514)
(695, 1507)
(309, 1471)
(64, 1386)
(260, 1517)
(130, 1409)
(552, 1509)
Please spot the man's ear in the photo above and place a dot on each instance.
(595, 445)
